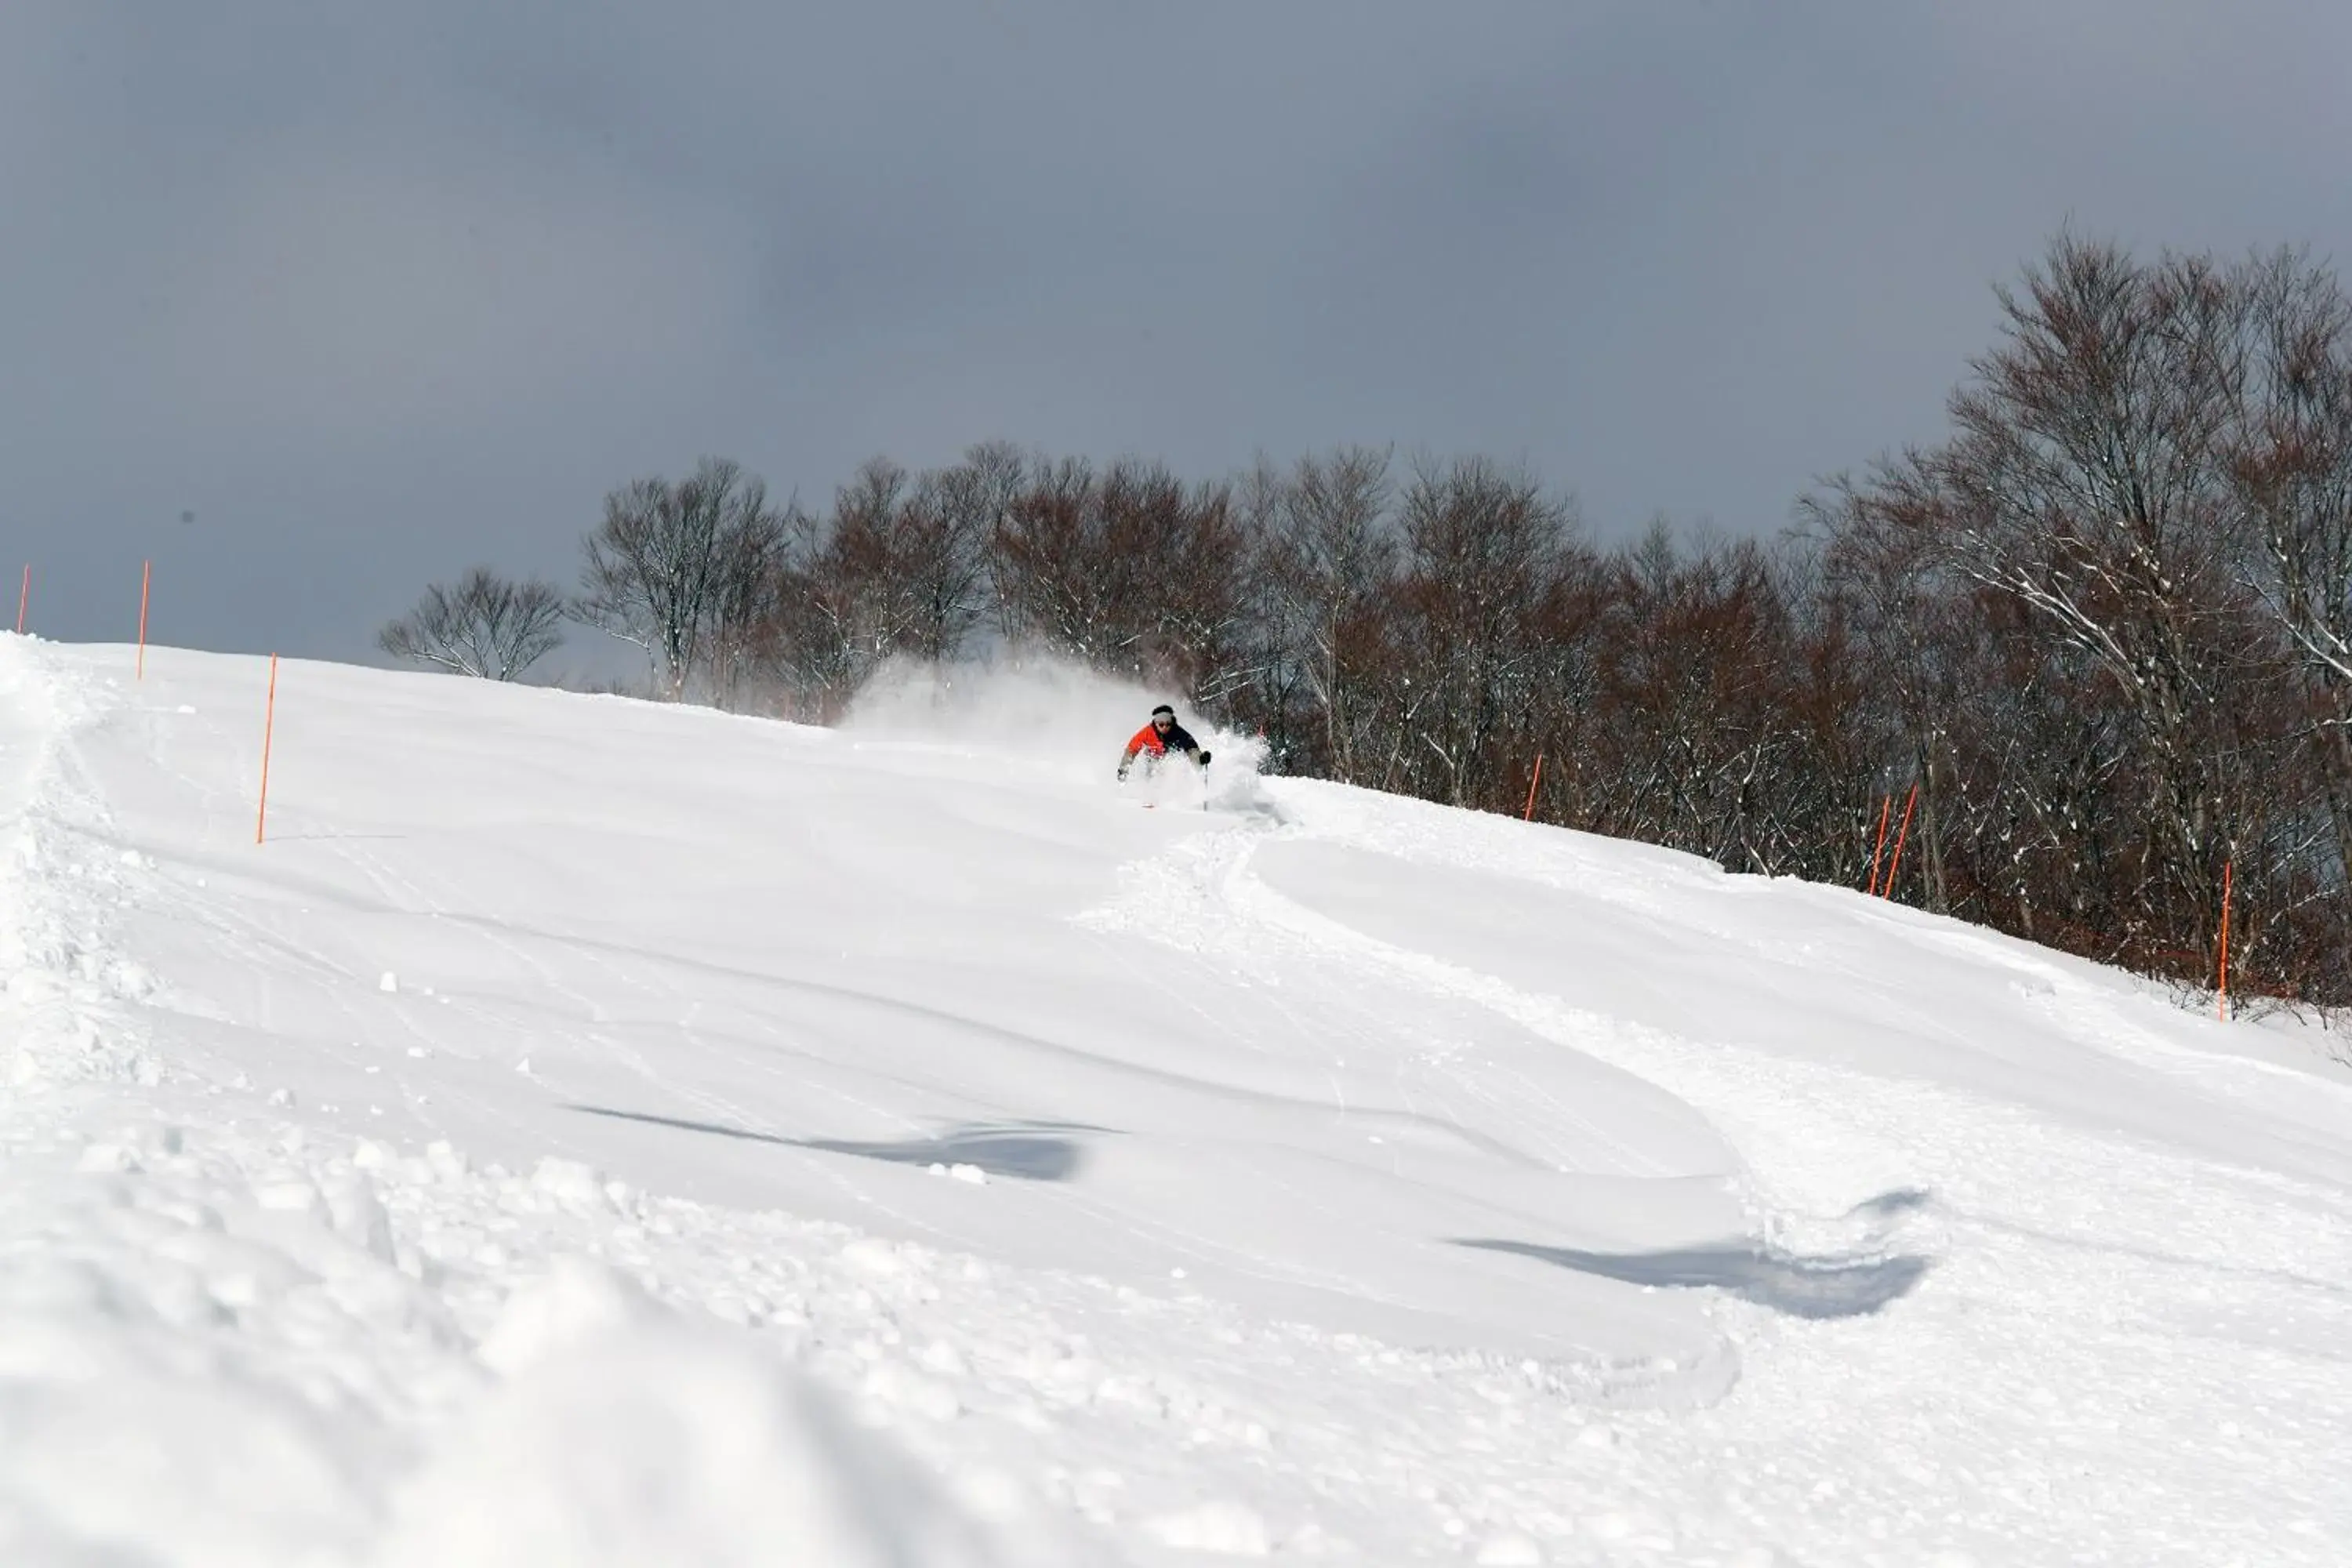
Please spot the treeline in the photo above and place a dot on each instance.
(2100, 635)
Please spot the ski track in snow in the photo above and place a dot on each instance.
(1963, 1328)
(2052, 1249)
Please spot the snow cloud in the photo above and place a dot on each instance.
(1040, 709)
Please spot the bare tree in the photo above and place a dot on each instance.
(1043, 558)
(2292, 465)
(944, 529)
(1904, 621)
(750, 577)
(1331, 558)
(896, 568)
(658, 568)
(2088, 479)
(1698, 658)
(2101, 614)
(486, 625)
(1127, 569)
(1487, 554)
(2292, 459)
(845, 604)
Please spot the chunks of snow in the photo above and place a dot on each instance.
(577, 1187)
(291, 1191)
(107, 1159)
(1219, 1526)
(358, 1214)
(875, 1255)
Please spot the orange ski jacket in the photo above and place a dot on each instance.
(1149, 739)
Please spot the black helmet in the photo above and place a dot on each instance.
(1163, 708)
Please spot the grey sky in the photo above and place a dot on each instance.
(378, 290)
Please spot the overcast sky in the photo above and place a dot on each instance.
(377, 291)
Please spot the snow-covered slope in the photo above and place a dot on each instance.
(595, 1132)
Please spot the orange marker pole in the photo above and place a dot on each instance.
(1900, 839)
(2221, 1009)
(1529, 814)
(146, 577)
(268, 729)
(1878, 850)
(24, 597)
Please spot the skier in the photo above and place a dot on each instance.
(1156, 739)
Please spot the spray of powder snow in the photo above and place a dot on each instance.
(1050, 715)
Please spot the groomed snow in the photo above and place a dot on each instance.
(596, 1132)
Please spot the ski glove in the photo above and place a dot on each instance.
(1204, 759)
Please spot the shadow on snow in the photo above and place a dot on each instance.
(1023, 1151)
(1769, 1276)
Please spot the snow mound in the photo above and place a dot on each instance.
(652, 1445)
(577, 1301)
(122, 1461)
